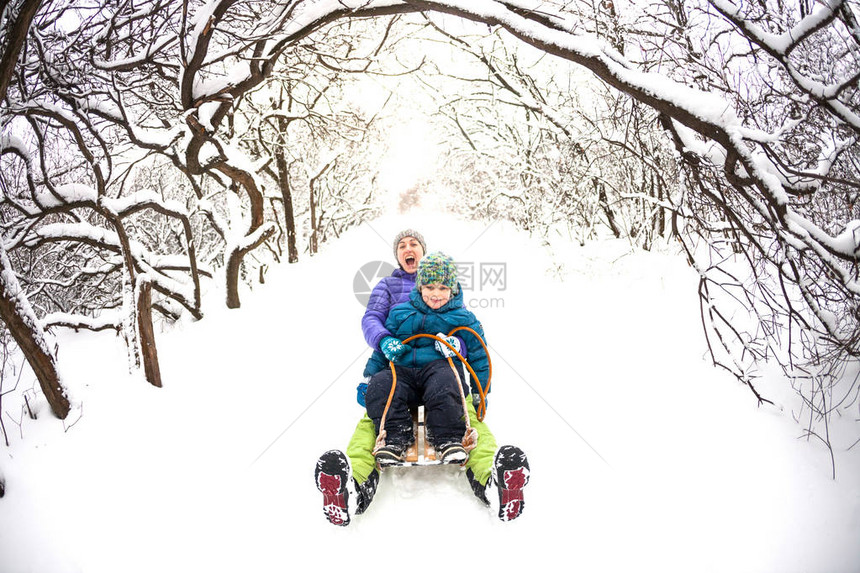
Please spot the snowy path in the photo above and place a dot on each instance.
(643, 456)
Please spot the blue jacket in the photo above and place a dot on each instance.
(415, 317)
(388, 293)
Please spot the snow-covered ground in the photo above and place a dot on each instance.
(643, 456)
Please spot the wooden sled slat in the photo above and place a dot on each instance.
(421, 452)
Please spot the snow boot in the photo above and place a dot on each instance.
(389, 455)
(365, 491)
(332, 475)
(510, 474)
(478, 488)
(452, 453)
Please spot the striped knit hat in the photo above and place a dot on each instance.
(409, 233)
(437, 268)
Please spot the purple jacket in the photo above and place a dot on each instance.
(388, 293)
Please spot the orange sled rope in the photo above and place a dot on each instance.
(480, 411)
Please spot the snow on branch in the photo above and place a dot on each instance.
(107, 320)
(781, 45)
(108, 240)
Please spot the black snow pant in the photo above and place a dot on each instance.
(435, 387)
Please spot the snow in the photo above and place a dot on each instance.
(65, 194)
(160, 45)
(11, 141)
(14, 300)
(782, 43)
(643, 456)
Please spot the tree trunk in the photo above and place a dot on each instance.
(244, 180)
(661, 212)
(234, 265)
(22, 323)
(146, 334)
(313, 241)
(607, 210)
(287, 195)
(314, 196)
(16, 34)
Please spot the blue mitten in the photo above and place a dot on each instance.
(361, 392)
(392, 348)
(444, 350)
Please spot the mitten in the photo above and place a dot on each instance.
(444, 350)
(392, 348)
(361, 392)
(476, 401)
(464, 350)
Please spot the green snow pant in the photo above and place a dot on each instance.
(360, 449)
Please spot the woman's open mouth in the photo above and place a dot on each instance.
(410, 260)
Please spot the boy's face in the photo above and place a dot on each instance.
(409, 252)
(435, 295)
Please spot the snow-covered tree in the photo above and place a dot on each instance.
(758, 99)
(313, 145)
(15, 309)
